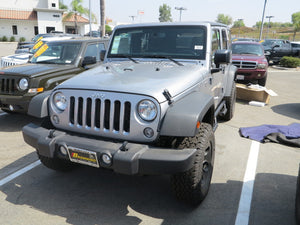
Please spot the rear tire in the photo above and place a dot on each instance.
(192, 186)
(230, 104)
(297, 202)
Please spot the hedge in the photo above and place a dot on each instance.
(290, 62)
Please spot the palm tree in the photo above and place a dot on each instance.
(77, 9)
(102, 16)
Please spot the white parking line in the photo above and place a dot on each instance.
(243, 214)
(2, 114)
(19, 172)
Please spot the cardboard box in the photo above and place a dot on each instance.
(253, 93)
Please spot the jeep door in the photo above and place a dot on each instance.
(218, 41)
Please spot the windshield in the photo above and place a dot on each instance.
(251, 49)
(181, 42)
(56, 53)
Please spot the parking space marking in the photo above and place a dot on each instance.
(243, 214)
(19, 172)
(2, 114)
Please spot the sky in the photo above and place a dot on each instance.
(196, 10)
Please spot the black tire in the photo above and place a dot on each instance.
(297, 202)
(192, 186)
(57, 164)
(263, 81)
(8, 111)
(230, 104)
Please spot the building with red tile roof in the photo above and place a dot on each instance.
(26, 18)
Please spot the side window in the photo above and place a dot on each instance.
(94, 50)
(224, 39)
(215, 40)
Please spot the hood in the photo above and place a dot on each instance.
(33, 69)
(247, 57)
(146, 78)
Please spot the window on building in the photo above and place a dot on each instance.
(49, 29)
(14, 30)
(53, 5)
(36, 30)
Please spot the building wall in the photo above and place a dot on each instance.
(49, 19)
(24, 29)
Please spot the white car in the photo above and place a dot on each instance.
(23, 58)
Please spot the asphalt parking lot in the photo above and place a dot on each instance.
(37, 195)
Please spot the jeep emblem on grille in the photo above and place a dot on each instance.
(97, 95)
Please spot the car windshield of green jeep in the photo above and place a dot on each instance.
(247, 49)
(56, 53)
(175, 42)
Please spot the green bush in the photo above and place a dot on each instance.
(22, 39)
(4, 38)
(12, 39)
(290, 62)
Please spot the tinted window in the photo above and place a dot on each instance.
(247, 49)
(94, 50)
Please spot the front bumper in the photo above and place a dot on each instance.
(248, 75)
(136, 159)
(19, 103)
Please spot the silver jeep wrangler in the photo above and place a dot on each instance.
(151, 108)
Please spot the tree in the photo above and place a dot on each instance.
(238, 23)
(62, 6)
(77, 9)
(108, 29)
(102, 18)
(296, 23)
(165, 13)
(225, 19)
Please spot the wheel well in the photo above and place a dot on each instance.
(209, 116)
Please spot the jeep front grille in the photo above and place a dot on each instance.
(245, 64)
(7, 85)
(102, 114)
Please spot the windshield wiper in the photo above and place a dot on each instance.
(164, 57)
(125, 56)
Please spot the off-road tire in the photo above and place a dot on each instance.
(192, 186)
(263, 81)
(230, 104)
(57, 164)
(297, 202)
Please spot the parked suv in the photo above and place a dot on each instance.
(53, 63)
(151, 108)
(251, 62)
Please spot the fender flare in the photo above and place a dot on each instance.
(230, 80)
(38, 106)
(182, 116)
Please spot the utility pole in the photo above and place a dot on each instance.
(180, 9)
(262, 21)
(268, 17)
(90, 18)
(239, 25)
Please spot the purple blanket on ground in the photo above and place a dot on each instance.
(289, 135)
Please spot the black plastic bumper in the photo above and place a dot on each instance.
(136, 159)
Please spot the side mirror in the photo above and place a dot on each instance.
(88, 60)
(222, 56)
(102, 55)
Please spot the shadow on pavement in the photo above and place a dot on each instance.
(15, 122)
(91, 196)
(291, 110)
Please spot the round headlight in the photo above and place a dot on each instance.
(147, 110)
(60, 101)
(23, 84)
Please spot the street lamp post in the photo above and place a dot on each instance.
(268, 17)
(180, 9)
(262, 21)
(132, 17)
